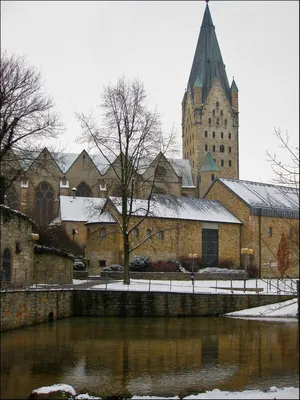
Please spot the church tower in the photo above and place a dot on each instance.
(210, 110)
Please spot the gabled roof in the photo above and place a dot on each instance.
(182, 208)
(277, 199)
(183, 168)
(80, 209)
(208, 63)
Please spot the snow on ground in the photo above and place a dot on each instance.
(272, 393)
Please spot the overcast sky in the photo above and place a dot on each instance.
(79, 46)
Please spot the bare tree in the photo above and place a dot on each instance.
(285, 173)
(27, 118)
(129, 136)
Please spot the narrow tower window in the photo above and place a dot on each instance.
(213, 113)
(229, 163)
(217, 104)
(229, 135)
(221, 113)
(229, 149)
(222, 149)
(205, 133)
(205, 147)
(225, 122)
(214, 148)
(214, 134)
(222, 135)
(218, 122)
(212, 177)
(222, 163)
(209, 121)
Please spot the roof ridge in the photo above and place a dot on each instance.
(259, 183)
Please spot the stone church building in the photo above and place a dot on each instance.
(210, 151)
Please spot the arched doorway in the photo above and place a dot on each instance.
(6, 265)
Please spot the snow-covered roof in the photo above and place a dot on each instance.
(104, 217)
(185, 208)
(80, 209)
(264, 195)
(183, 169)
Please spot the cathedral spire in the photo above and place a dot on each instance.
(208, 63)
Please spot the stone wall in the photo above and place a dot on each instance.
(16, 240)
(23, 308)
(151, 304)
(175, 276)
(52, 268)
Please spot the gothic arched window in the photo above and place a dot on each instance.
(12, 199)
(222, 149)
(83, 190)
(43, 205)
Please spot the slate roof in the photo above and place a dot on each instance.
(208, 63)
(272, 199)
(183, 208)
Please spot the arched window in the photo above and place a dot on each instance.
(6, 265)
(161, 235)
(214, 148)
(229, 163)
(222, 163)
(148, 232)
(43, 205)
(205, 134)
(225, 122)
(136, 233)
(217, 104)
(221, 113)
(222, 135)
(214, 134)
(229, 135)
(213, 113)
(222, 149)
(270, 231)
(218, 121)
(12, 199)
(206, 147)
(212, 177)
(229, 149)
(209, 121)
(83, 190)
(102, 233)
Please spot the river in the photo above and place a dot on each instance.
(150, 356)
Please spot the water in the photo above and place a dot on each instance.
(150, 356)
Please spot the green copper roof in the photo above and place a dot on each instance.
(198, 82)
(209, 164)
(234, 88)
(208, 63)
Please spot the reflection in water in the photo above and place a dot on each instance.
(154, 356)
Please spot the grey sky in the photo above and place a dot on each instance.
(79, 46)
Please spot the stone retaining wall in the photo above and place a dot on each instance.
(157, 304)
(175, 276)
(22, 308)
